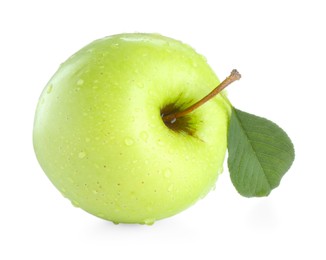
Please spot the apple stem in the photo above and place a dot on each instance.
(171, 118)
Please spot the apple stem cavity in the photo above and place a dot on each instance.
(172, 117)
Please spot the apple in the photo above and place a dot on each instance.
(100, 137)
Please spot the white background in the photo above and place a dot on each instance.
(279, 48)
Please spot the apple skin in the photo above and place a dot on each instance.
(99, 136)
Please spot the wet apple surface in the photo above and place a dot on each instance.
(100, 138)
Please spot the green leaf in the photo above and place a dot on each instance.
(260, 153)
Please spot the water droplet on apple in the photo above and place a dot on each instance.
(203, 57)
(100, 215)
(115, 222)
(80, 82)
(75, 203)
(63, 192)
(170, 188)
(171, 151)
(167, 173)
(160, 142)
(140, 85)
(49, 89)
(129, 141)
(132, 195)
(87, 140)
(95, 192)
(81, 155)
(149, 221)
(167, 44)
(144, 136)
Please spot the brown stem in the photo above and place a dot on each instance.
(171, 118)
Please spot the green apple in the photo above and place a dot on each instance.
(100, 138)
